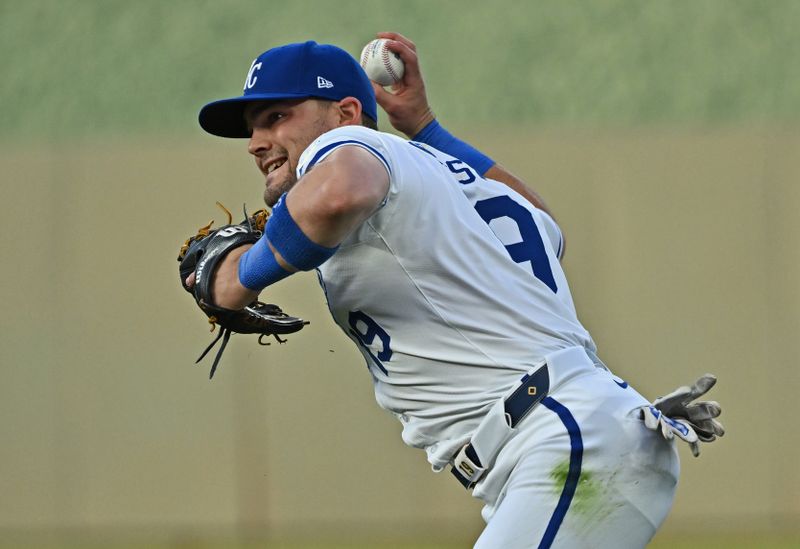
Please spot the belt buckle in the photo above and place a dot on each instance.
(467, 467)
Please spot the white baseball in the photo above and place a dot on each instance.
(381, 64)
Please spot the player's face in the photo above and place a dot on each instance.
(281, 132)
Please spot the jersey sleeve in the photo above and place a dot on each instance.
(346, 136)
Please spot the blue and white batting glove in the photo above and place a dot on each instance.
(702, 415)
(655, 420)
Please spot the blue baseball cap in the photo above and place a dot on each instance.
(293, 71)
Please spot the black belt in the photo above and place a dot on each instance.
(531, 390)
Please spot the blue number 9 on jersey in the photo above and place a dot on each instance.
(365, 330)
(531, 247)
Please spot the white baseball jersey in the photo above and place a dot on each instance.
(451, 290)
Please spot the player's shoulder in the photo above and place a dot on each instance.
(376, 142)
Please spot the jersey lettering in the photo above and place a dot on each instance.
(467, 176)
(531, 247)
(365, 330)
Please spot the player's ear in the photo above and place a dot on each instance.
(349, 111)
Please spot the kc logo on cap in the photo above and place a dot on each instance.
(250, 81)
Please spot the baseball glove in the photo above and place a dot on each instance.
(201, 254)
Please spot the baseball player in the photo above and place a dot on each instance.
(443, 268)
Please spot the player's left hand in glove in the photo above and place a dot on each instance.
(201, 254)
(677, 414)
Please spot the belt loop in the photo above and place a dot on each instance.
(532, 389)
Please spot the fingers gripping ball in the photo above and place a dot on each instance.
(201, 254)
(382, 65)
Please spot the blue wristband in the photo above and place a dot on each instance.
(258, 267)
(288, 239)
(439, 138)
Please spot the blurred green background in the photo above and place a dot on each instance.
(664, 135)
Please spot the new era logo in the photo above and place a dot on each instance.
(322, 83)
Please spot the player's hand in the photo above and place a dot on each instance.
(676, 413)
(669, 427)
(225, 287)
(701, 415)
(407, 104)
(226, 292)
